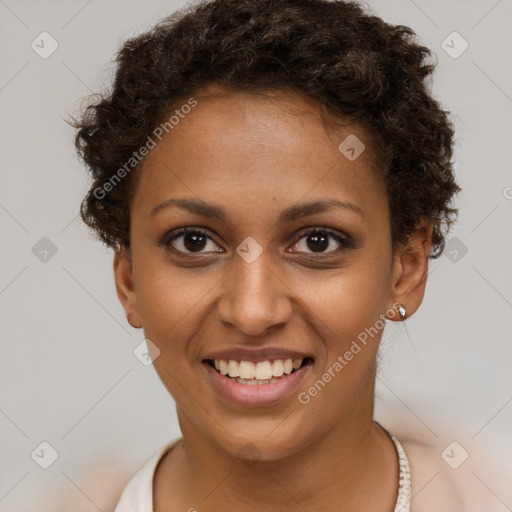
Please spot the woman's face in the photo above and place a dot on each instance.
(258, 279)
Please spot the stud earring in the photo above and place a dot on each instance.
(401, 310)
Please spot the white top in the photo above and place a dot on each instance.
(138, 494)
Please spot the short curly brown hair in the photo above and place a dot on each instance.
(352, 63)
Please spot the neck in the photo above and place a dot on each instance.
(353, 463)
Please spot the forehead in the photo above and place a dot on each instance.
(248, 149)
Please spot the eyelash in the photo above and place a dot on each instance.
(344, 242)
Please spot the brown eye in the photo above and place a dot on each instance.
(190, 240)
(319, 240)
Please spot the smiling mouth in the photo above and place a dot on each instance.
(254, 374)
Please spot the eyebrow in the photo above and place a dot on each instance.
(289, 214)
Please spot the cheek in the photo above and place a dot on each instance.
(347, 312)
(171, 303)
(349, 300)
(169, 300)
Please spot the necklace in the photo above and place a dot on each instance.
(403, 502)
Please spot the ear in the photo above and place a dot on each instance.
(410, 270)
(125, 286)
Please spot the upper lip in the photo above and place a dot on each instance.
(256, 354)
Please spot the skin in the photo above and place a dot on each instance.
(255, 156)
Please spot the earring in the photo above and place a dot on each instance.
(401, 310)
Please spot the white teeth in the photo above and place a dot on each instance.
(255, 382)
(277, 368)
(262, 371)
(247, 370)
(223, 367)
(233, 368)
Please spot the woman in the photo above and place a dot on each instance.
(274, 178)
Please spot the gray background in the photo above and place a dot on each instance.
(68, 375)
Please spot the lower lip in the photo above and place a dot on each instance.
(259, 395)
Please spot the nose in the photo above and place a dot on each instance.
(255, 297)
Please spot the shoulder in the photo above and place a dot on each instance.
(111, 487)
(434, 486)
(137, 496)
(449, 472)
